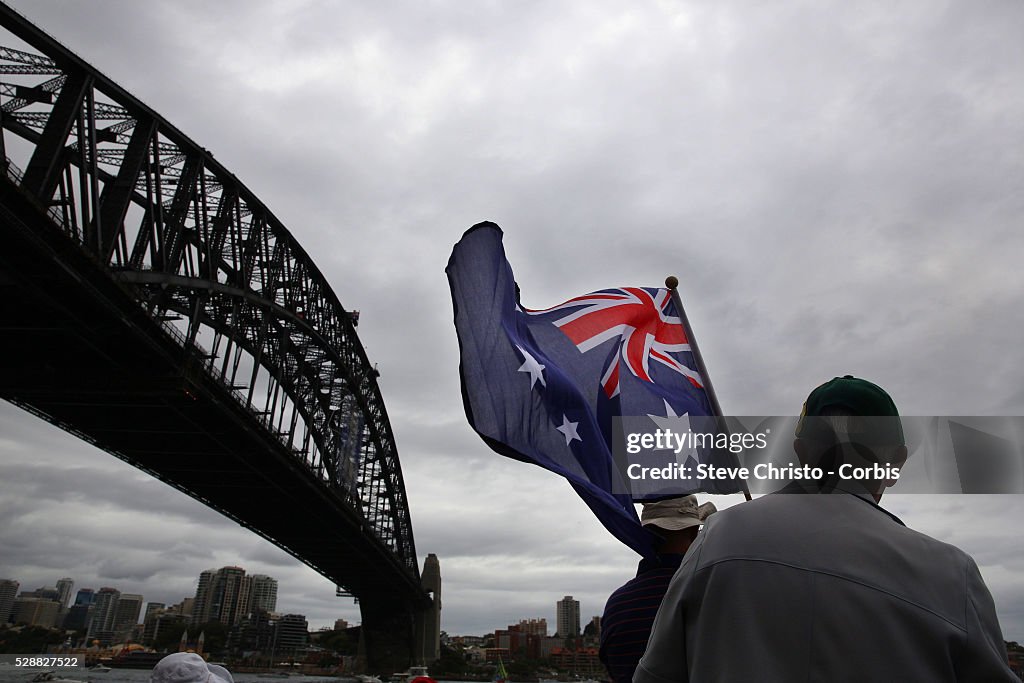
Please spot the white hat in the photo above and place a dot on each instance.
(676, 513)
(188, 667)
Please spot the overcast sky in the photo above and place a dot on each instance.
(837, 185)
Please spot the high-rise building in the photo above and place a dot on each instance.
(201, 603)
(568, 617)
(8, 591)
(263, 593)
(80, 613)
(104, 612)
(64, 588)
(222, 595)
(126, 617)
(231, 593)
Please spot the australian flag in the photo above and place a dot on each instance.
(543, 386)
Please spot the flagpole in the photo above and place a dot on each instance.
(672, 283)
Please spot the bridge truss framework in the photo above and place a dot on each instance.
(205, 260)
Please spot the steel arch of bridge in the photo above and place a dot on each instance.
(207, 259)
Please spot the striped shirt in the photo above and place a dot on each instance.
(629, 614)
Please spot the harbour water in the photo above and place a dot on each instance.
(11, 674)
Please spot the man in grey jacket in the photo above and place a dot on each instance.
(814, 587)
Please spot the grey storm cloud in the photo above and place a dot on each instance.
(835, 184)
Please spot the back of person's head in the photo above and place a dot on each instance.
(188, 667)
(851, 421)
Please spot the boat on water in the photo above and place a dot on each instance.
(367, 678)
(98, 669)
(415, 674)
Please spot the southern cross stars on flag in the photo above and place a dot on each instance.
(543, 386)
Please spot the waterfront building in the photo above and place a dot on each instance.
(104, 612)
(519, 642)
(222, 595)
(33, 611)
(475, 654)
(159, 622)
(580, 662)
(254, 633)
(263, 593)
(201, 602)
(231, 595)
(126, 615)
(550, 644)
(291, 633)
(567, 613)
(8, 591)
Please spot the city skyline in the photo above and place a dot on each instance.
(260, 593)
(574, 610)
(835, 185)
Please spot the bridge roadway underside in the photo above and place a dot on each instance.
(77, 350)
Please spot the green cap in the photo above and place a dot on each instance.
(860, 397)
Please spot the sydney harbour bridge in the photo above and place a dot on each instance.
(154, 307)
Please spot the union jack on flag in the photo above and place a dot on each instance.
(638, 320)
(544, 386)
